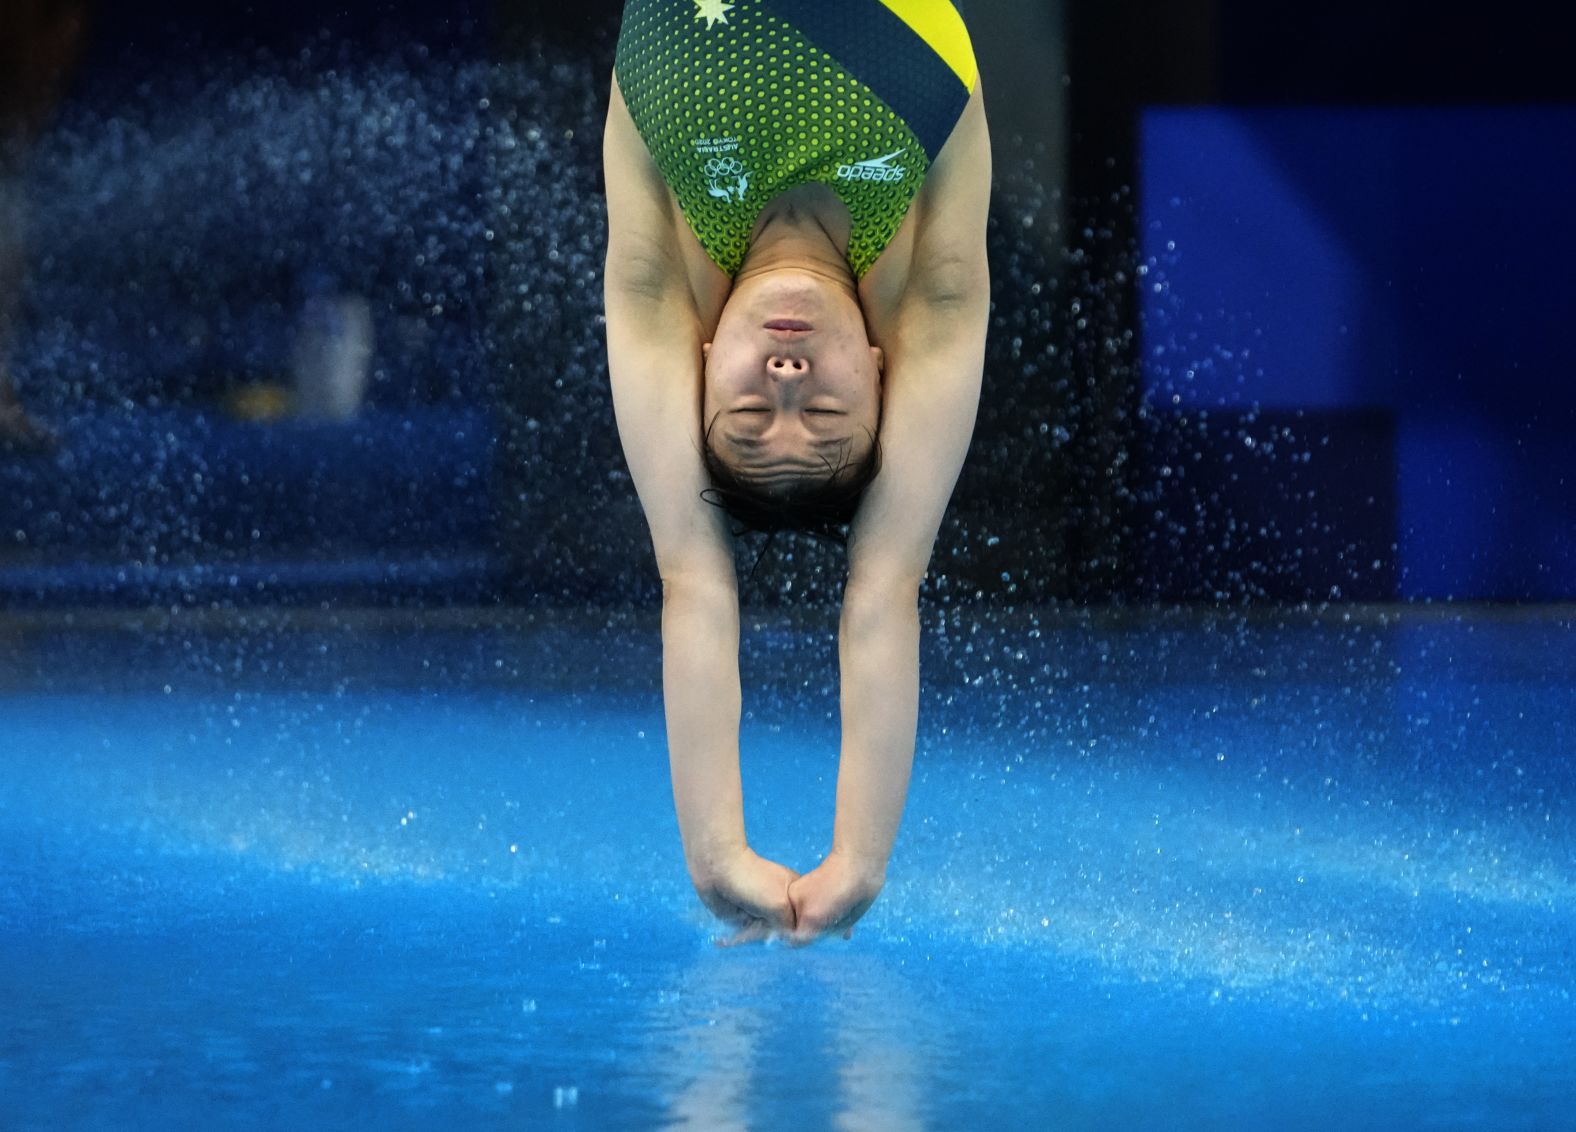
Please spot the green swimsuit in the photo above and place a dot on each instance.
(740, 100)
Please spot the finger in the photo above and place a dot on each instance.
(808, 932)
(754, 932)
(813, 928)
(732, 909)
(804, 932)
(779, 917)
(732, 913)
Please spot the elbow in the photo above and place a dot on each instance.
(884, 578)
(681, 586)
(874, 599)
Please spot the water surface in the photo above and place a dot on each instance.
(1171, 870)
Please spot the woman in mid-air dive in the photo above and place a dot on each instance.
(797, 294)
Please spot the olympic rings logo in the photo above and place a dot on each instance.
(723, 167)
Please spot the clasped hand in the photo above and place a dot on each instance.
(763, 899)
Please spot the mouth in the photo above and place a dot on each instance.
(791, 325)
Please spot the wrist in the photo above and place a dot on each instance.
(867, 864)
(711, 857)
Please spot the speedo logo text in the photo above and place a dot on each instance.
(875, 169)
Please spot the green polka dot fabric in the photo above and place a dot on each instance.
(737, 105)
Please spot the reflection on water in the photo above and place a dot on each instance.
(721, 1021)
(883, 1040)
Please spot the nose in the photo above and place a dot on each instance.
(782, 367)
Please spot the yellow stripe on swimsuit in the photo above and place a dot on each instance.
(940, 25)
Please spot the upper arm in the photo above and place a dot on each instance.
(642, 253)
(654, 360)
(949, 245)
(935, 358)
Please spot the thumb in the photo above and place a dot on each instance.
(809, 913)
(785, 912)
(779, 908)
(799, 897)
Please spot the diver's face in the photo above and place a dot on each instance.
(792, 382)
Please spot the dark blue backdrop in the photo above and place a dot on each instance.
(1410, 262)
(1354, 342)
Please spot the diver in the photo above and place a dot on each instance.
(796, 297)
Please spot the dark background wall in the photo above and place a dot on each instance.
(1355, 242)
(213, 167)
(1351, 318)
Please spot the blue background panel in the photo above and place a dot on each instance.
(1414, 260)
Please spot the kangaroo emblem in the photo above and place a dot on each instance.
(726, 179)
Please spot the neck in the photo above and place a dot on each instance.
(788, 235)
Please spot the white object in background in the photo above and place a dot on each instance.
(332, 357)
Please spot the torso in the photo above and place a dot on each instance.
(665, 46)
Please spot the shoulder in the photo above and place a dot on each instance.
(938, 261)
(954, 202)
(642, 251)
(651, 253)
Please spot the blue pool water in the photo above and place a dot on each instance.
(1158, 871)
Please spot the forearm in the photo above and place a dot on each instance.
(700, 691)
(878, 650)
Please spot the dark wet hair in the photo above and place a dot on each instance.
(821, 506)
